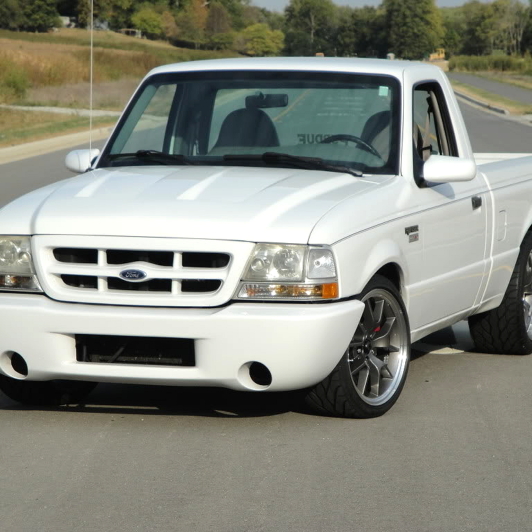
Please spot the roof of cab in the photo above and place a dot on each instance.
(318, 64)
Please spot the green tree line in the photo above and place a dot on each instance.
(411, 29)
(214, 24)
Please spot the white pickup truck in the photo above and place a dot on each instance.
(267, 224)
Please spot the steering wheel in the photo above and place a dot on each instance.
(353, 138)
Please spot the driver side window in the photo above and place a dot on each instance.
(432, 130)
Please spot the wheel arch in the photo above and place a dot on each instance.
(358, 264)
(394, 273)
(527, 228)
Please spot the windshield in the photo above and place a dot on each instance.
(349, 120)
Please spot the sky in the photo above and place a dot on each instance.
(279, 5)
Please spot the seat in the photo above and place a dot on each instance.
(376, 132)
(247, 127)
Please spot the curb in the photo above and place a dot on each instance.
(41, 147)
(61, 110)
(481, 103)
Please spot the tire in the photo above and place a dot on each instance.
(45, 393)
(371, 374)
(507, 329)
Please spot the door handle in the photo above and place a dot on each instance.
(476, 201)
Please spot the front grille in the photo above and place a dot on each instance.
(162, 280)
(103, 349)
(76, 255)
(200, 285)
(155, 285)
(125, 256)
(81, 281)
(205, 260)
(139, 271)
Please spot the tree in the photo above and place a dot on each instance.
(169, 26)
(309, 26)
(253, 15)
(235, 8)
(261, 41)
(476, 23)
(526, 43)
(454, 30)
(102, 11)
(514, 20)
(119, 16)
(11, 15)
(218, 20)
(148, 21)
(414, 27)
(192, 22)
(273, 19)
(222, 41)
(40, 15)
(361, 32)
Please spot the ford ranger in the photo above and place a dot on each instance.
(267, 224)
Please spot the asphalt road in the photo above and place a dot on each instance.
(452, 455)
(496, 87)
(491, 133)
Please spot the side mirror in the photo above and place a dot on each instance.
(79, 161)
(444, 169)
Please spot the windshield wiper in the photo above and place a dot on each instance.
(152, 156)
(309, 163)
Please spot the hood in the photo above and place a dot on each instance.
(221, 203)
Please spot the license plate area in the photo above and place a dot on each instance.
(136, 350)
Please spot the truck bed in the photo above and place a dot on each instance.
(486, 158)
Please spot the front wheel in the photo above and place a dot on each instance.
(45, 393)
(371, 374)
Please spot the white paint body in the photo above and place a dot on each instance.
(461, 264)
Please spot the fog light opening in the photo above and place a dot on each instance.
(19, 364)
(260, 374)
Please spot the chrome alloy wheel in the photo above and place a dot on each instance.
(378, 352)
(527, 295)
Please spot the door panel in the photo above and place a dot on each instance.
(454, 253)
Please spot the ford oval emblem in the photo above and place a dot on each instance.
(133, 276)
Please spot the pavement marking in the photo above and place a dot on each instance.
(290, 107)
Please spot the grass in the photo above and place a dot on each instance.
(115, 41)
(515, 108)
(17, 127)
(491, 63)
(53, 69)
(109, 95)
(33, 61)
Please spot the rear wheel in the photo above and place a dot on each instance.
(45, 393)
(507, 329)
(371, 374)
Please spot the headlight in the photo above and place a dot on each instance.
(272, 262)
(282, 271)
(16, 265)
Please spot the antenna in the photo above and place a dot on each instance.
(90, 75)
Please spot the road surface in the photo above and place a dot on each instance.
(452, 455)
(517, 94)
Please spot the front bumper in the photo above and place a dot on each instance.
(300, 344)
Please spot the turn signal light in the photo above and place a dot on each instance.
(330, 291)
(289, 291)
